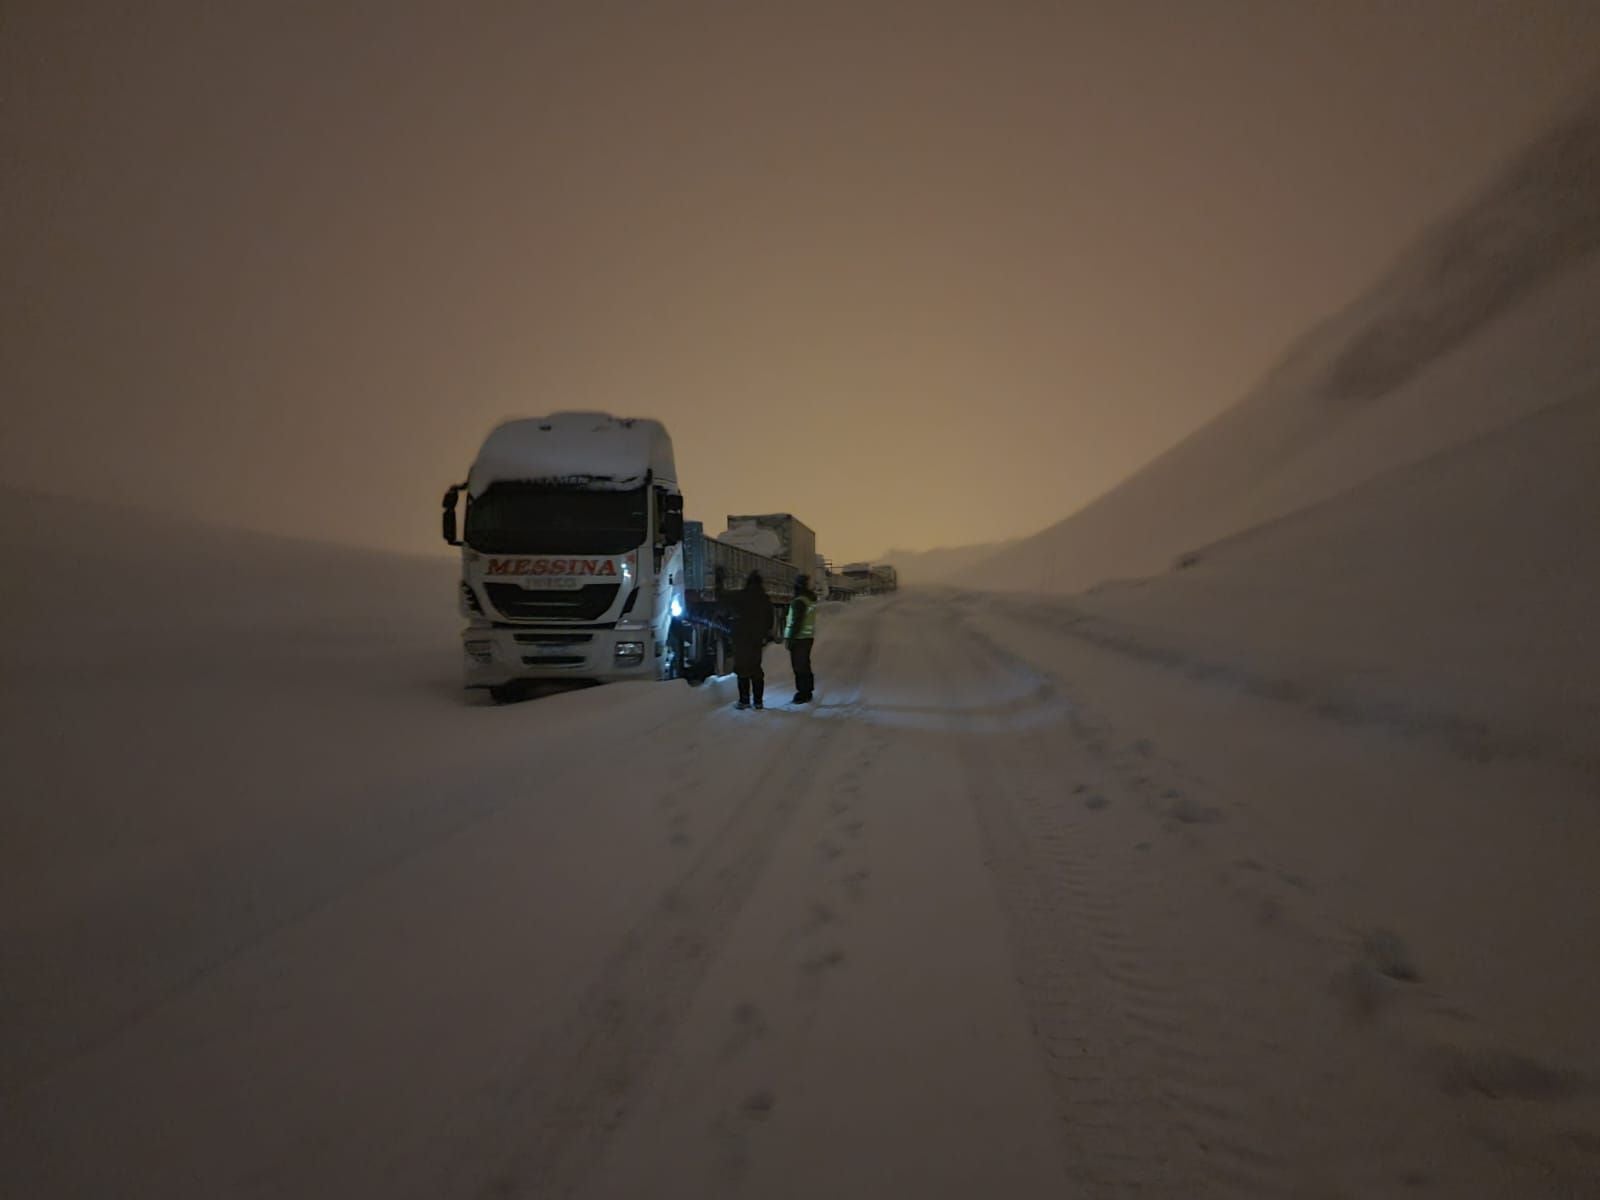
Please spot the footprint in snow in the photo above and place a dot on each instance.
(748, 1025)
(1498, 1073)
(758, 1105)
(855, 884)
(1187, 811)
(825, 961)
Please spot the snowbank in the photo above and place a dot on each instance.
(179, 701)
(939, 564)
(1452, 599)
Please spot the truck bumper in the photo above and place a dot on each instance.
(493, 656)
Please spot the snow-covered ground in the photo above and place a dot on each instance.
(1027, 904)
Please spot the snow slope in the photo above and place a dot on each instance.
(940, 564)
(1489, 318)
(178, 703)
(1009, 911)
(1454, 596)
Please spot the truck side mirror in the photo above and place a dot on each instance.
(671, 518)
(449, 502)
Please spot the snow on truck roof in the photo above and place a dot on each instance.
(590, 449)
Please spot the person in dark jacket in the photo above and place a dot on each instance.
(800, 631)
(752, 630)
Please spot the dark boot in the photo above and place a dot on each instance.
(744, 692)
(760, 686)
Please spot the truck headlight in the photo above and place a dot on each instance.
(629, 654)
(480, 652)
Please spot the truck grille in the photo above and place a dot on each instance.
(547, 648)
(586, 603)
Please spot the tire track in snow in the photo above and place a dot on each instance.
(1275, 1085)
(1142, 1079)
(1070, 1004)
(569, 1097)
(816, 940)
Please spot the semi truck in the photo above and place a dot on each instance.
(866, 579)
(571, 552)
(577, 563)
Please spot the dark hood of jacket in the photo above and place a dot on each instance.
(752, 613)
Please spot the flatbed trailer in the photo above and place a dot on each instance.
(713, 571)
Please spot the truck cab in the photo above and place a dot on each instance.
(571, 552)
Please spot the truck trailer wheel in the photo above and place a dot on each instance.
(697, 659)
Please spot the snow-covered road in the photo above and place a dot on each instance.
(1006, 912)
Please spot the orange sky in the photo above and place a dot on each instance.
(919, 273)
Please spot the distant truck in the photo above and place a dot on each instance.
(576, 562)
(866, 579)
(571, 552)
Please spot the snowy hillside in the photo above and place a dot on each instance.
(1488, 319)
(1454, 597)
(935, 566)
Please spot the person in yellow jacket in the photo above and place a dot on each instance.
(800, 631)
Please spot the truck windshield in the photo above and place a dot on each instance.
(524, 519)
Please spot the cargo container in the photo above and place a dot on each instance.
(794, 542)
